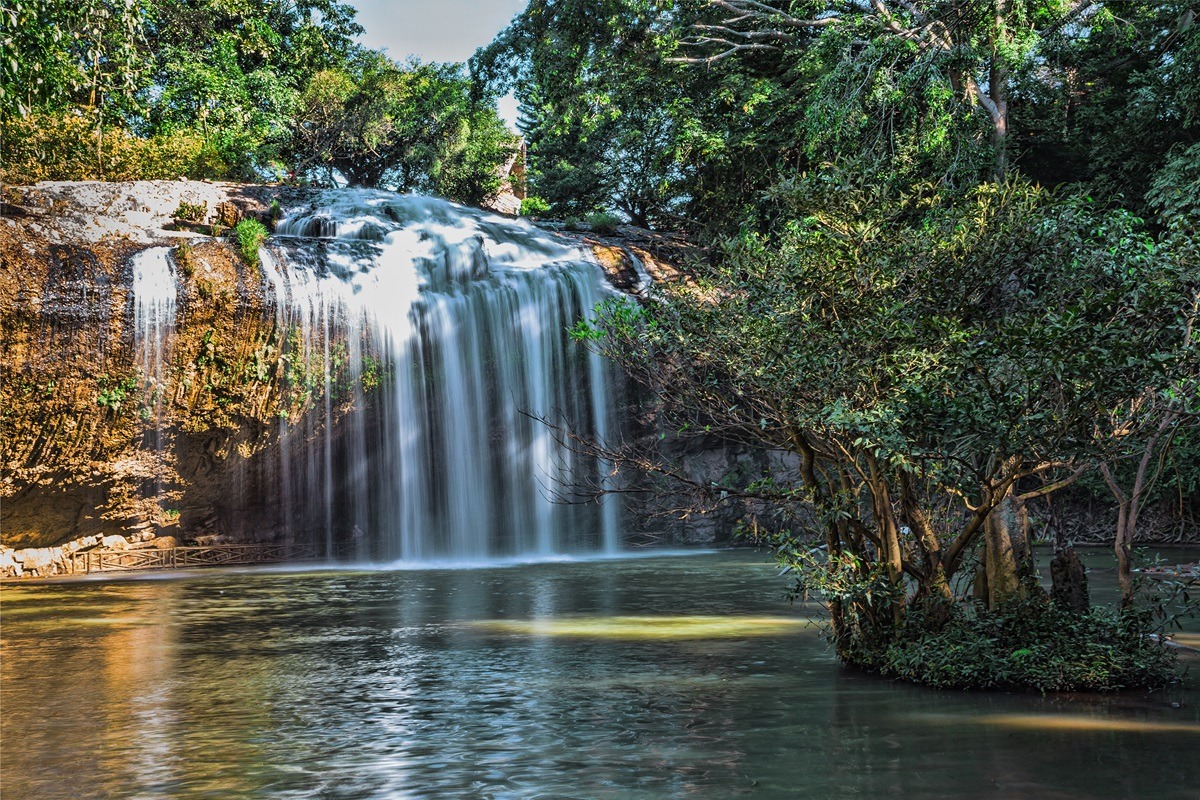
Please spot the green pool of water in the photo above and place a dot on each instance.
(688, 677)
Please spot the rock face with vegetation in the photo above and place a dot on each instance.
(84, 447)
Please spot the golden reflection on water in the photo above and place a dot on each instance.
(23, 594)
(649, 627)
(1191, 640)
(1069, 722)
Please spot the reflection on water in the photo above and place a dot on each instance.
(681, 677)
(650, 627)
(1077, 722)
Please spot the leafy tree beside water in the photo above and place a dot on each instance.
(932, 364)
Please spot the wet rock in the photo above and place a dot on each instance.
(617, 264)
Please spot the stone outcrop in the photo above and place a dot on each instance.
(45, 562)
(512, 189)
(79, 445)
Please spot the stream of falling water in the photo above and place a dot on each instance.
(154, 301)
(449, 325)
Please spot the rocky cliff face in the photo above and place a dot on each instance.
(89, 444)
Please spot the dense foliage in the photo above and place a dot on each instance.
(664, 108)
(1031, 644)
(411, 128)
(217, 89)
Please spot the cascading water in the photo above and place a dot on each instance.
(445, 329)
(154, 301)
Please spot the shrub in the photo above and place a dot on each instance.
(68, 147)
(534, 206)
(603, 222)
(114, 393)
(191, 212)
(183, 260)
(249, 234)
(1034, 645)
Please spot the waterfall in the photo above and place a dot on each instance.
(154, 302)
(428, 339)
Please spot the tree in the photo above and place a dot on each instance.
(974, 47)
(411, 127)
(234, 70)
(930, 362)
(470, 164)
(606, 123)
(1114, 99)
(152, 76)
(79, 54)
(1141, 430)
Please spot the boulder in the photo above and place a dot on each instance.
(9, 568)
(228, 215)
(41, 560)
(114, 543)
(166, 542)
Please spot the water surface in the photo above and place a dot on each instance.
(687, 677)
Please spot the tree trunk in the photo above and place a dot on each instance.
(998, 90)
(1007, 561)
(936, 592)
(1121, 546)
(889, 538)
(1126, 514)
(833, 543)
(1129, 506)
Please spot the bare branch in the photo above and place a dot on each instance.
(751, 35)
(1054, 487)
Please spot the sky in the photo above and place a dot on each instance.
(436, 30)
